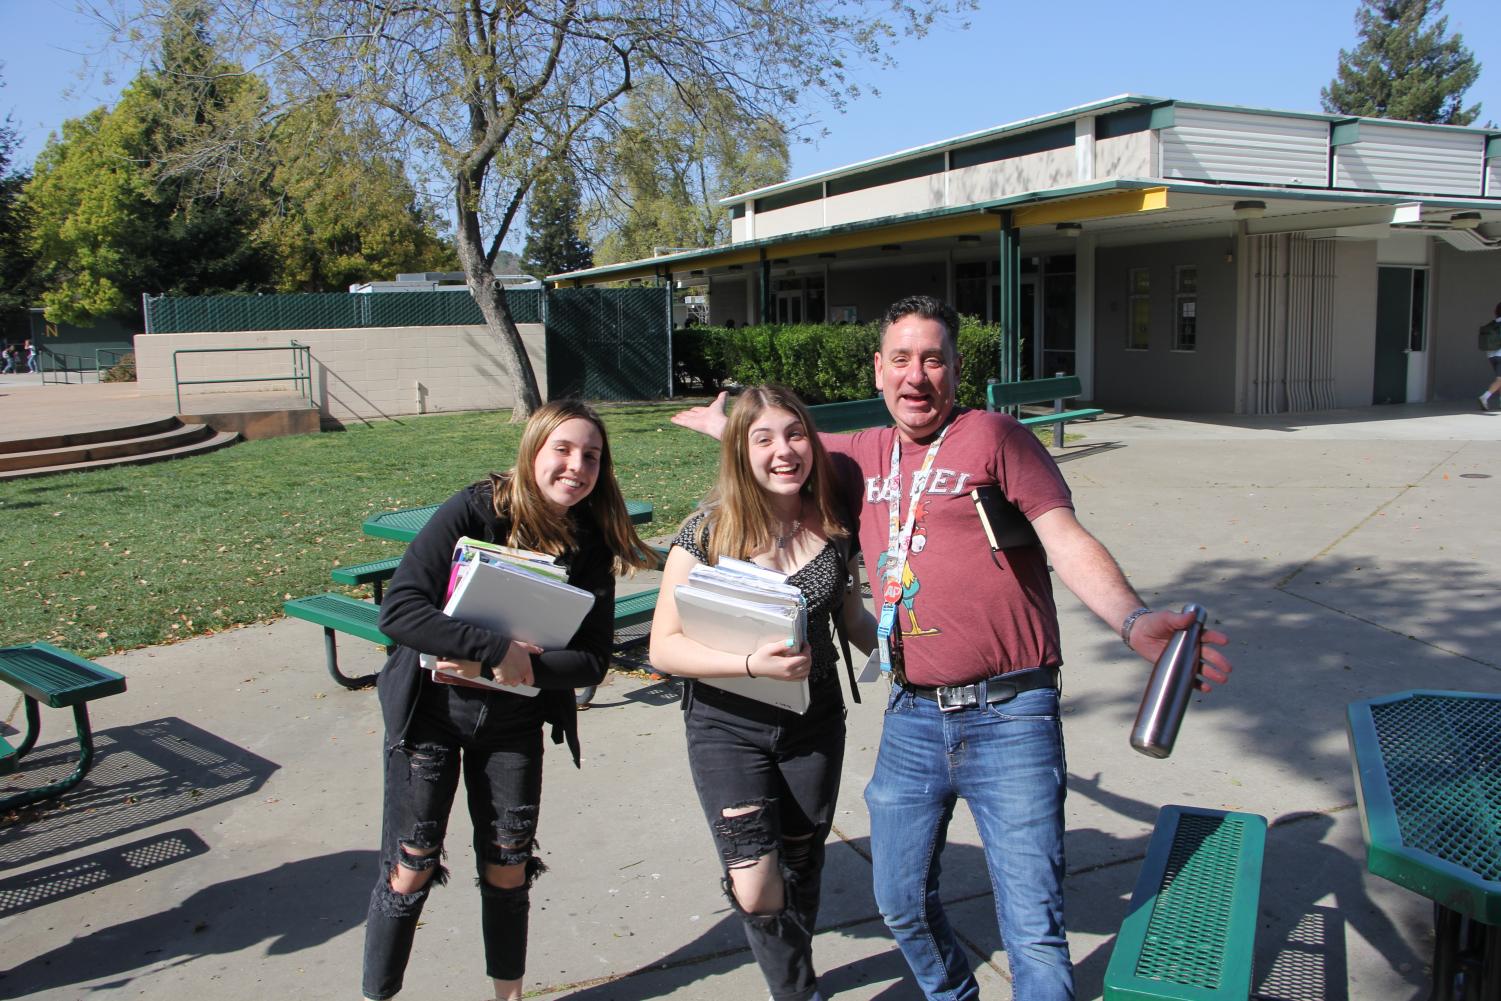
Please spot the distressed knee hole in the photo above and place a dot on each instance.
(427, 761)
(514, 838)
(519, 876)
(744, 834)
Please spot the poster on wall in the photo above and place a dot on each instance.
(844, 314)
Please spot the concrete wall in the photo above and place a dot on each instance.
(1354, 321)
(876, 285)
(359, 373)
(1466, 288)
(1124, 156)
(1054, 168)
(916, 194)
(728, 300)
(1159, 378)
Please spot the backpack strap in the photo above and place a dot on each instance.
(844, 547)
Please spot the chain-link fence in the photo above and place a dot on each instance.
(609, 343)
(327, 310)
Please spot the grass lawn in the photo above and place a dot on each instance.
(139, 555)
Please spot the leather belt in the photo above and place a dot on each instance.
(1000, 688)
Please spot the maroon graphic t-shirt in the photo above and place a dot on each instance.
(962, 618)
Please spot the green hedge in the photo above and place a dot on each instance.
(822, 362)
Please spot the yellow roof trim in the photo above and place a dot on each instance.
(1116, 203)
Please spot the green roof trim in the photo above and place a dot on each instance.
(1493, 148)
(1163, 117)
(672, 262)
(1344, 133)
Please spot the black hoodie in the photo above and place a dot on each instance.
(412, 616)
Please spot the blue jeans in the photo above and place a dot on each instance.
(1005, 760)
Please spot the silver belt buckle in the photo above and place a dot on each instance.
(952, 698)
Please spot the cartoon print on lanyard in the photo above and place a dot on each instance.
(910, 583)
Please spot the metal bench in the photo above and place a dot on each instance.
(374, 573)
(44, 673)
(1013, 395)
(1191, 930)
(851, 415)
(339, 613)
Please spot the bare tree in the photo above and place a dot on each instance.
(488, 94)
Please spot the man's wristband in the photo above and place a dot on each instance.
(747, 667)
(1131, 622)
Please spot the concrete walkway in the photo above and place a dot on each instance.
(224, 845)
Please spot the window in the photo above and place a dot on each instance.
(1139, 315)
(1185, 308)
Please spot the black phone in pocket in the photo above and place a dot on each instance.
(1005, 526)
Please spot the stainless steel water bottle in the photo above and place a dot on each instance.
(1171, 684)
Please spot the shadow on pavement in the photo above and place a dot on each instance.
(143, 775)
(112, 865)
(232, 916)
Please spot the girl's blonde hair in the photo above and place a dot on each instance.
(739, 517)
(536, 524)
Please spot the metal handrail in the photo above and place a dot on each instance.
(301, 377)
(100, 367)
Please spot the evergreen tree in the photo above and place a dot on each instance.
(555, 244)
(1406, 66)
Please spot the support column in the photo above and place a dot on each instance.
(767, 313)
(1084, 305)
(1011, 291)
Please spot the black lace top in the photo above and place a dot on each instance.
(821, 580)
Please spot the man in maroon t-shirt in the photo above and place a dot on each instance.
(974, 650)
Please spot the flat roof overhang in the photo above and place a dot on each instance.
(1119, 211)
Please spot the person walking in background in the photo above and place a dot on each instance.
(561, 498)
(30, 356)
(1490, 343)
(9, 355)
(767, 777)
(973, 711)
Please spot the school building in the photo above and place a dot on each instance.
(1174, 255)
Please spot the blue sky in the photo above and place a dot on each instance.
(1016, 60)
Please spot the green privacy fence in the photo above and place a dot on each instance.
(327, 310)
(609, 343)
(602, 343)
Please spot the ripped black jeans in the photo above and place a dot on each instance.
(496, 741)
(744, 753)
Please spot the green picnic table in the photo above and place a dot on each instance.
(403, 525)
(1428, 781)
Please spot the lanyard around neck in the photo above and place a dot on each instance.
(899, 539)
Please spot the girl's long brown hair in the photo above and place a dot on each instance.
(739, 517)
(536, 524)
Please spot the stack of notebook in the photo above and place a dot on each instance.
(739, 607)
(515, 592)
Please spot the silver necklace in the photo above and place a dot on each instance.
(782, 540)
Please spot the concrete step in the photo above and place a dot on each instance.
(41, 443)
(176, 448)
(173, 437)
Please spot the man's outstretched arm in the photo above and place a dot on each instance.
(708, 419)
(1087, 569)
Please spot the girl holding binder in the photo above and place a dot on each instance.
(768, 777)
(561, 498)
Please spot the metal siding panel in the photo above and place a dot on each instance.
(1234, 146)
(1493, 179)
(1395, 158)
